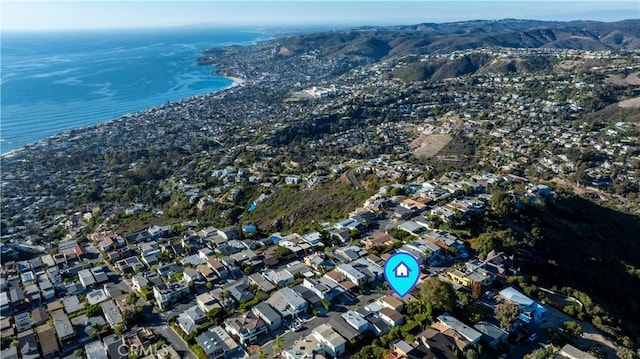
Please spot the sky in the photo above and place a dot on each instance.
(92, 14)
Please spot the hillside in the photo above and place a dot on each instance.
(600, 258)
(371, 44)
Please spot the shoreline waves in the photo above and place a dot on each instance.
(54, 83)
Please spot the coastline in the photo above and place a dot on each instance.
(236, 82)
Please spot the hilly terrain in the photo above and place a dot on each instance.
(371, 44)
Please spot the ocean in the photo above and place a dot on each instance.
(52, 82)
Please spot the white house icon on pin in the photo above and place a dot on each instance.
(401, 270)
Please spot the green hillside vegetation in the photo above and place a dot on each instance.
(439, 69)
(290, 208)
(599, 262)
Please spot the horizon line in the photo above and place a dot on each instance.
(289, 25)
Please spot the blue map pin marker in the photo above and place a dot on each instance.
(402, 271)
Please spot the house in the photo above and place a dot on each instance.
(331, 341)
(16, 296)
(350, 253)
(323, 289)
(352, 274)
(391, 302)
(341, 235)
(391, 316)
(111, 313)
(492, 335)
(308, 347)
(529, 309)
(5, 305)
(312, 299)
(207, 273)
(205, 253)
(440, 345)
(22, 321)
(447, 323)
(129, 265)
(139, 281)
(472, 273)
(86, 278)
(27, 345)
(169, 270)
(402, 348)
(319, 262)
(412, 227)
(258, 280)
(166, 294)
(191, 275)
(499, 263)
(378, 239)
(95, 350)
(9, 353)
(159, 231)
(114, 346)
(240, 291)
(216, 343)
(287, 302)
(265, 312)
(378, 326)
(218, 267)
(72, 304)
(39, 316)
(279, 278)
(63, 327)
(229, 233)
(207, 302)
(313, 239)
(46, 288)
(189, 320)
(245, 327)
(349, 224)
(48, 342)
(193, 260)
(356, 321)
(568, 351)
(99, 275)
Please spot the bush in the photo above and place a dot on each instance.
(199, 352)
(572, 328)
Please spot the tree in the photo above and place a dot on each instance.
(262, 354)
(278, 346)
(507, 313)
(440, 295)
(572, 328)
(502, 203)
(370, 352)
(484, 244)
(131, 298)
(283, 253)
(164, 257)
(93, 310)
(119, 330)
(224, 295)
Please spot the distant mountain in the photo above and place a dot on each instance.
(371, 44)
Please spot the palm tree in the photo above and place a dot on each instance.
(278, 346)
(224, 295)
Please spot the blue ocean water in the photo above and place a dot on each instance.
(51, 82)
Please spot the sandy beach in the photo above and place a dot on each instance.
(237, 81)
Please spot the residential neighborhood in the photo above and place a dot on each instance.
(256, 222)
